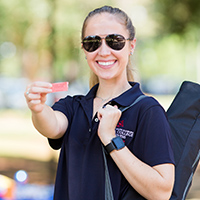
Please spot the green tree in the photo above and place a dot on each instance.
(177, 16)
(46, 35)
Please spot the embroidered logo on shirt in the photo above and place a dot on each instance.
(124, 133)
(120, 123)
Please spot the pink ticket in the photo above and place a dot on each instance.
(58, 87)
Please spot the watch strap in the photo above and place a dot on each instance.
(116, 143)
(110, 147)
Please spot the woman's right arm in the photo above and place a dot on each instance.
(50, 123)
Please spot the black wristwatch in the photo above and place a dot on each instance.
(116, 143)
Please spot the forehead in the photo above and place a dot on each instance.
(103, 24)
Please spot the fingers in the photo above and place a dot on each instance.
(35, 95)
(109, 117)
(38, 87)
(109, 110)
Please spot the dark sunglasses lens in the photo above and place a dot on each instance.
(91, 43)
(116, 42)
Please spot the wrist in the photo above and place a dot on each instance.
(106, 136)
(116, 143)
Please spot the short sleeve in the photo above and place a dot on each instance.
(65, 106)
(156, 137)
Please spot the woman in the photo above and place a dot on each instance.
(79, 125)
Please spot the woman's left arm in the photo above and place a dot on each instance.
(154, 183)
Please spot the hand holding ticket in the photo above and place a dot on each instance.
(61, 86)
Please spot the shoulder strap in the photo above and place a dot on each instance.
(136, 101)
(108, 186)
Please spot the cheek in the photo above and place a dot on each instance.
(123, 57)
(91, 55)
(90, 60)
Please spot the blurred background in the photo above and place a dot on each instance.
(40, 40)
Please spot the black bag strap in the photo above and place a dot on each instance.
(108, 186)
(136, 101)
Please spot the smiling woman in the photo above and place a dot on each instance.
(121, 19)
(140, 156)
(110, 53)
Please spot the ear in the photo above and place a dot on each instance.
(132, 46)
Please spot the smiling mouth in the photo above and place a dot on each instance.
(106, 63)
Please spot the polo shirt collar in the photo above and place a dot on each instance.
(129, 96)
(92, 92)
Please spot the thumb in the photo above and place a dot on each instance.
(100, 113)
(43, 97)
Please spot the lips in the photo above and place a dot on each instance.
(106, 64)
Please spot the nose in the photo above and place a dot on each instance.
(104, 49)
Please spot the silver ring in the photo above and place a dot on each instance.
(28, 91)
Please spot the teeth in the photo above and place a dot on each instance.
(106, 63)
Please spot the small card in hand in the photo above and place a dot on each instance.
(58, 87)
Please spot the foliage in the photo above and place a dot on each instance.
(177, 16)
(46, 35)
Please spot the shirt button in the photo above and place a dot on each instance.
(96, 119)
(89, 129)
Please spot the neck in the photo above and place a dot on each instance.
(108, 90)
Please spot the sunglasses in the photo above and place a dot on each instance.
(114, 41)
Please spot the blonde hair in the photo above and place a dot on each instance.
(127, 23)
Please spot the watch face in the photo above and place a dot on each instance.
(118, 142)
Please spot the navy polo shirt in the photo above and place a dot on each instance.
(81, 173)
